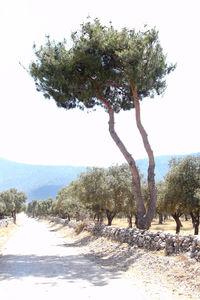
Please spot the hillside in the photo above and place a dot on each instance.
(38, 182)
(41, 182)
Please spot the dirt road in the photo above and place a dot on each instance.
(34, 263)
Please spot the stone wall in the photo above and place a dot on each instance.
(153, 241)
(5, 222)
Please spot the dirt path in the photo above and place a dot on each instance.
(35, 263)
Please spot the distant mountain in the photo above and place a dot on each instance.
(162, 165)
(38, 182)
(41, 182)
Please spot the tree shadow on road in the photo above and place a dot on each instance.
(114, 259)
(70, 267)
(84, 241)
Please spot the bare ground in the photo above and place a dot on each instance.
(47, 261)
(36, 263)
(160, 277)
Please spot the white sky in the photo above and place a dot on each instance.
(33, 130)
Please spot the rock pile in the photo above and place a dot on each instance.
(145, 239)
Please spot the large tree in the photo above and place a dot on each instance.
(112, 69)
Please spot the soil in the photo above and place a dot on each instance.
(157, 275)
(46, 260)
(36, 263)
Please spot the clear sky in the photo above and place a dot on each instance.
(33, 130)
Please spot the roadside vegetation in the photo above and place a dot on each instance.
(12, 202)
(106, 195)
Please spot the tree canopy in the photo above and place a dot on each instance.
(12, 202)
(182, 187)
(101, 62)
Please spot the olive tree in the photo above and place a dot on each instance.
(67, 204)
(92, 191)
(112, 69)
(182, 189)
(14, 201)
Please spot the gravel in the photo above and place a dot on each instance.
(162, 277)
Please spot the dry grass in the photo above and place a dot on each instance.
(168, 226)
(6, 233)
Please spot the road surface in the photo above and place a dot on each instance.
(35, 265)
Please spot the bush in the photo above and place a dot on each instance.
(80, 226)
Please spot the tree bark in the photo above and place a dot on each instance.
(151, 175)
(141, 211)
(14, 216)
(160, 219)
(144, 218)
(195, 222)
(165, 217)
(110, 216)
(178, 222)
(130, 221)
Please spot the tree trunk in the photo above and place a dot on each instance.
(110, 216)
(130, 221)
(151, 175)
(141, 211)
(14, 216)
(178, 222)
(186, 217)
(136, 220)
(143, 219)
(165, 217)
(195, 222)
(160, 219)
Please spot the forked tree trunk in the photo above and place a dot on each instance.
(144, 218)
(141, 211)
(151, 175)
(110, 216)
(178, 222)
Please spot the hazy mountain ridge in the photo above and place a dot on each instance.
(41, 182)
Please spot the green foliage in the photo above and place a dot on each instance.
(2, 207)
(66, 204)
(12, 202)
(179, 193)
(161, 192)
(108, 192)
(40, 208)
(101, 62)
(182, 183)
(92, 190)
